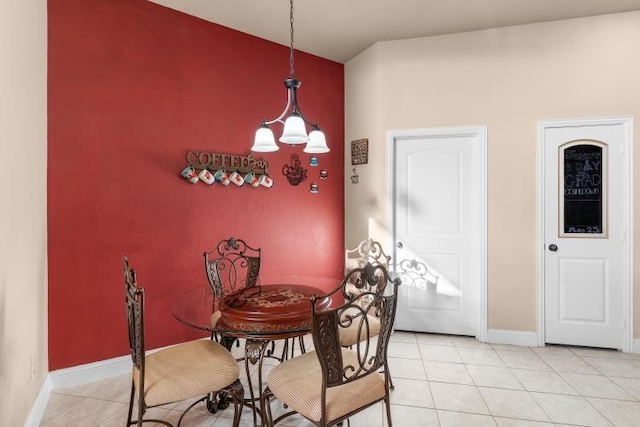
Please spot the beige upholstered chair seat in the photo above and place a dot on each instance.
(215, 317)
(298, 384)
(187, 370)
(350, 336)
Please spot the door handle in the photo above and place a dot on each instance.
(399, 245)
(553, 247)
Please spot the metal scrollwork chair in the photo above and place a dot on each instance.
(231, 266)
(332, 383)
(184, 371)
(367, 252)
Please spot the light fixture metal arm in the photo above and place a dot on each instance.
(284, 112)
(292, 86)
(295, 84)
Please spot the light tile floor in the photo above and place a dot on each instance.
(440, 381)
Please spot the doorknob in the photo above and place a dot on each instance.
(399, 245)
(553, 247)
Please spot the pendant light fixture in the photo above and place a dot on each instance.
(294, 131)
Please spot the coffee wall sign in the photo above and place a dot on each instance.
(360, 152)
(226, 169)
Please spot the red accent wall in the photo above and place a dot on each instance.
(133, 87)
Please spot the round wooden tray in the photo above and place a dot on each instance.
(270, 309)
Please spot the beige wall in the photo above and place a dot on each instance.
(362, 119)
(508, 79)
(23, 215)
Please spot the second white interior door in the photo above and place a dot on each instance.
(585, 233)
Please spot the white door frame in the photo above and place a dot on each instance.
(480, 133)
(627, 214)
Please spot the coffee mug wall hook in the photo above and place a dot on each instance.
(226, 169)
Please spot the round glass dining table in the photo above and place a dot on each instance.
(259, 314)
(272, 312)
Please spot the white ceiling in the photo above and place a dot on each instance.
(340, 29)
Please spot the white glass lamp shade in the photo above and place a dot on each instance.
(264, 142)
(294, 130)
(317, 142)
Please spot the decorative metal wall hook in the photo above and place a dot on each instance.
(354, 177)
(294, 172)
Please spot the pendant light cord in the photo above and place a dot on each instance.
(291, 50)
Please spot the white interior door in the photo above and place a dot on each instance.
(439, 215)
(585, 233)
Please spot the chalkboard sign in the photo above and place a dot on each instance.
(360, 152)
(582, 190)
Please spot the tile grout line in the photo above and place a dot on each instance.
(426, 375)
(619, 363)
(587, 400)
(524, 388)
(493, 417)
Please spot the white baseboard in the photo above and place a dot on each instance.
(527, 338)
(503, 336)
(40, 404)
(78, 375)
(82, 374)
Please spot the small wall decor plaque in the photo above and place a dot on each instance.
(360, 152)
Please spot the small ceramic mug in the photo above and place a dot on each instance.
(266, 181)
(206, 176)
(222, 177)
(252, 179)
(190, 174)
(236, 178)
